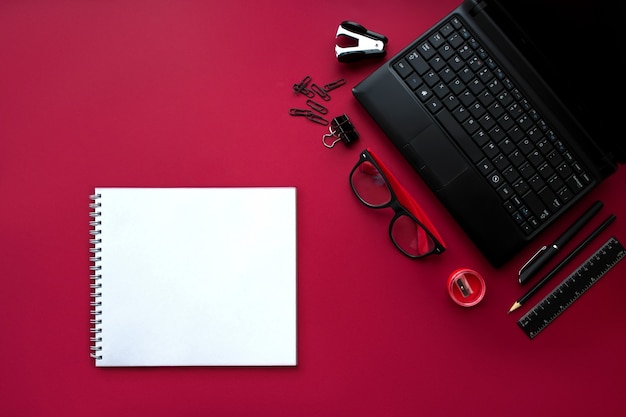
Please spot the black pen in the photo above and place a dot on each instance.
(562, 264)
(543, 255)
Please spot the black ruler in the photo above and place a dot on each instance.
(545, 311)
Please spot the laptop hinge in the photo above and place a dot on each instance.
(477, 7)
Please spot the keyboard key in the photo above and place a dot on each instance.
(526, 170)
(423, 93)
(536, 158)
(447, 52)
(501, 162)
(554, 158)
(485, 75)
(447, 29)
(436, 40)
(526, 146)
(426, 50)
(545, 170)
(510, 174)
(471, 125)
(574, 183)
(509, 146)
(565, 194)
(491, 150)
(485, 166)
(555, 183)
(437, 63)
(525, 212)
(465, 52)
(455, 40)
(536, 206)
(536, 182)
(441, 90)
(509, 206)
(460, 114)
(516, 133)
(517, 158)
(413, 81)
(476, 109)
(476, 86)
(550, 199)
(497, 134)
(521, 187)
(506, 121)
(466, 75)
(467, 98)
(487, 98)
(524, 122)
(451, 101)
(564, 170)
(464, 33)
(456, 63)
(402, 68)
(487, 121)
(495, 179)
(417, 62)
(515, 110)
(433, 104)
(504, 98)
(534, 134)
(456, 23)
(457, 86)
(447, 74)
(475, 64)
(480, 138)
(527, 228)
(505, 192)
(495, 86)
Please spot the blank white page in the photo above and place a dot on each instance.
(195, 276)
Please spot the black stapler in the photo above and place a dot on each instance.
(362, 43)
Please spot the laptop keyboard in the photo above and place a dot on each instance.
(500, 131)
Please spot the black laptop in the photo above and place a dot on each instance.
(511, 111)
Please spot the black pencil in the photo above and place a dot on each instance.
(562, 264)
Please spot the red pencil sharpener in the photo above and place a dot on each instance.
(466, 287)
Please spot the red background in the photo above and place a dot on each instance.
(197, 93)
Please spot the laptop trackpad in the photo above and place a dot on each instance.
(440, 160)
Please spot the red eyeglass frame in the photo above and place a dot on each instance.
(405, 203)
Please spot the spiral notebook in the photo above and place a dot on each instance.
(193, 276)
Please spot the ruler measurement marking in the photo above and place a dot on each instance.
(571, 288)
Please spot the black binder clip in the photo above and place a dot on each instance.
(342, 129)
(359, 42)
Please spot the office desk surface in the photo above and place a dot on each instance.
(197, 93)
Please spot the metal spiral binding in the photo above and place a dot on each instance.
(95, 277)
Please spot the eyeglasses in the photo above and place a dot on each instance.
(410, 229)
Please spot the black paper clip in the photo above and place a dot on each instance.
(320, 92)
(299, 112)
(301, 87)
(316, 118)
(316, 106)
(368, 44)
(342, 129)
(335, 84)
